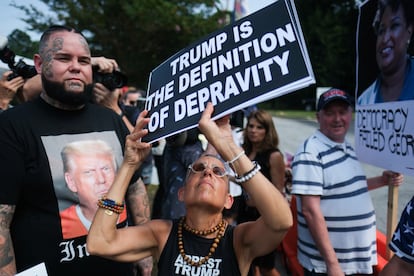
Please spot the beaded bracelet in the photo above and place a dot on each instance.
(235, 158)
(110, 205)
(249, 175)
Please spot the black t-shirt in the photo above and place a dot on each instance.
(31, 138)
(222, 262)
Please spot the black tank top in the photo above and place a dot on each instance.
(249, 213)
(222, 262)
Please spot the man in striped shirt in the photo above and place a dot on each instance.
(336, 217)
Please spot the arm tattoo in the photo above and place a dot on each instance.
(6, 246)
(138, 201)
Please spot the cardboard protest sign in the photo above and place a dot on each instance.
(383, 135)
(259, 57)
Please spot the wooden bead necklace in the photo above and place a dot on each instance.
(203, 232)
(221, 227)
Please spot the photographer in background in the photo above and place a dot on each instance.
(18, 90)
(13, 83)
(8, 89)
(132, 103)
(110, 99)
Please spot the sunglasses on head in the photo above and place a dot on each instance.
(201, 167)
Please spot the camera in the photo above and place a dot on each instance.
(18, 69)
(113, 80)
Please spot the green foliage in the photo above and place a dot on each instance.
(329, 28)
(139, 34)
(21, 44)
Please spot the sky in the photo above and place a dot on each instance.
(11, 16)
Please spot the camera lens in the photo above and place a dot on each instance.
(113, 80)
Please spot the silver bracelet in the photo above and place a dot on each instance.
(235, 158)
(249, 175)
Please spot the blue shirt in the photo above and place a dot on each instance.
(373, 95)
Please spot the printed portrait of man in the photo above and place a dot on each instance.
(89, 169)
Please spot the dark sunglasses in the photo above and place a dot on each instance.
(201, 167)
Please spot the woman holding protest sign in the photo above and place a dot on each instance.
(394, 26)
(201, 242)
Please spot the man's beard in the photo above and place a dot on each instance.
(57, 91)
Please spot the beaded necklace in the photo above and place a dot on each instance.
(221, 227)
(203, 232)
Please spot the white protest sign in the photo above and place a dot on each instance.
(384, 135)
